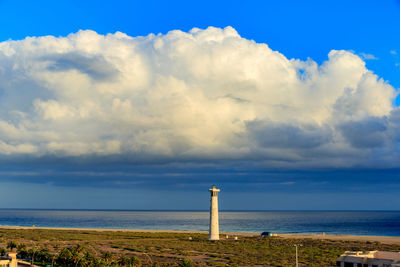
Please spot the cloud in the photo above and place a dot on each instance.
(366, 133)
(267, 134)
(366, 56)
(198, 96)
(393, 52)
(94, 66)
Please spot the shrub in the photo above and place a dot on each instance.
(186, 263)
(11, 245)
(3, 251)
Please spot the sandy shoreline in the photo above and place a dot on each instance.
(382, 239)
(125, 230)
(101, 229)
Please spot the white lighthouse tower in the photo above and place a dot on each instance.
(214, 226)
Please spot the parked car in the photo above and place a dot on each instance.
(265, 234)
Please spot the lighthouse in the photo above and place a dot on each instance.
(214, 226)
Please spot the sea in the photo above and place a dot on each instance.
(377, 223)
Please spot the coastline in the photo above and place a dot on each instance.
(365, 238)
(123, 230)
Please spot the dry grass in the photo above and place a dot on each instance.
(168, 249)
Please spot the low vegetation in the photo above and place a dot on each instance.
(109, 248)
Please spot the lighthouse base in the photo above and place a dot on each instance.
(214, 237)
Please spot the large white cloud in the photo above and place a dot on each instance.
(205, 94)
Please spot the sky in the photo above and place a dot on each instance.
(284, 105)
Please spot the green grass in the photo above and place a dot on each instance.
(170, 249)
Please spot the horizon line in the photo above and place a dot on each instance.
(205, 210)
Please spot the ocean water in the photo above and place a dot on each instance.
(383, 223)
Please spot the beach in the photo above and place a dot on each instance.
(365, 238)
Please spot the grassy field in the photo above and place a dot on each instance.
(107, 248)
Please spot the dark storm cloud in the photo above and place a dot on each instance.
(369, 133)
(170, 178)
(269, 134)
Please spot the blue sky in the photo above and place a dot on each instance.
(257, 104)
(297, 29)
